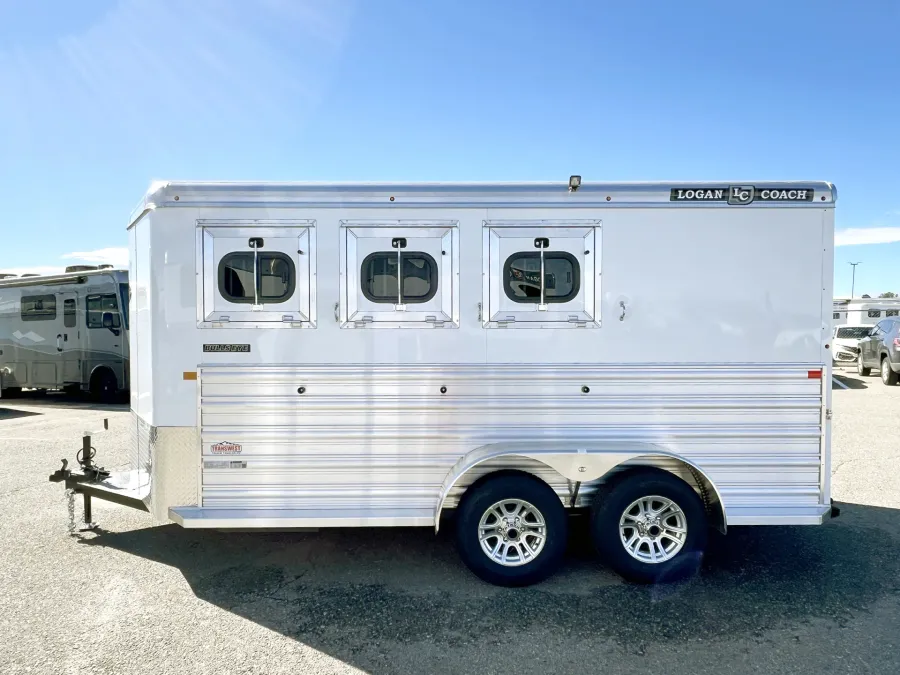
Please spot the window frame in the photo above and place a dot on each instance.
(33, 315)
(434, 278)
(583, 238)
(557, 255)
(278, 255)
(359, 238)
(296, 238)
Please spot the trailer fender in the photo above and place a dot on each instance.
(584, 464)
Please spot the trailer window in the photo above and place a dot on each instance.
(522, 277)
(38, 307)
(69, 313)
(852, 332)
(380, 278)
(274, 282)
(96, 305)
(892, 312)
(874, 313)
(836, 315)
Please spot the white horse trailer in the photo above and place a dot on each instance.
(65, 331)
(312, 355)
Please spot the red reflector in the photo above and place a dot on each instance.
(814, 374)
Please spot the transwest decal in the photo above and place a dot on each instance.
(226, 448)
(739, 195)
(226, 348)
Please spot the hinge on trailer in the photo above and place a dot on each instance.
(223, 319)
(436, 322)
(361, 323)
(580, 323)
(503, 323)
(287, 318)
(827, 413)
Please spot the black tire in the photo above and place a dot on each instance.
(479, 500)
(888, 376)
(860, 368)
(610, 507)
(103, 386)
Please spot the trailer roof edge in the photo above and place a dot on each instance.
(462, 194)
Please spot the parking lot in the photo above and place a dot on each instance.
(136, 597)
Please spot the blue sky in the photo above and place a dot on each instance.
(98, 98)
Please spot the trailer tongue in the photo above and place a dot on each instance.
(95, 481)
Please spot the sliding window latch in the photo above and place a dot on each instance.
(541, 243)
(399, 243)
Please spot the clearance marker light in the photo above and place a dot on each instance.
(814, 374)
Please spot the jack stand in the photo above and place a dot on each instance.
(88, 524)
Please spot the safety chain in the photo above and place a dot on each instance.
(70, 504)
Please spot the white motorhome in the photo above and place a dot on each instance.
(322, 355)
(65, 331)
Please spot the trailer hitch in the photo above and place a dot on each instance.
(90, 472)
(88, 482)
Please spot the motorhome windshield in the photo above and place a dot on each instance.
(123, 294)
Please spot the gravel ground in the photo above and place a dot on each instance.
(143, 598)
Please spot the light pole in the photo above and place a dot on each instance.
(853, 283)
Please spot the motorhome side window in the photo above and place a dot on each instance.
(38, 307)
(892, 312)
(874, 313)
(522, 280)
(391, 278)
(836, 315)
(270, 278)
(97, 306)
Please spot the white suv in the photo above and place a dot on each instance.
(845, 342)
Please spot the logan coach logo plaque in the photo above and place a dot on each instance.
(740, 195)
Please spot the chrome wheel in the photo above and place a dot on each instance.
(512, 532)
(653, 529)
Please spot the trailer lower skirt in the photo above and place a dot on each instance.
(216, 518)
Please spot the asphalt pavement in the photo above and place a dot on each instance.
(139, 597)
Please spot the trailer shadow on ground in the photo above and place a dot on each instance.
(849, 381)
(61, 400)
(350, 593)
(14, 413)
